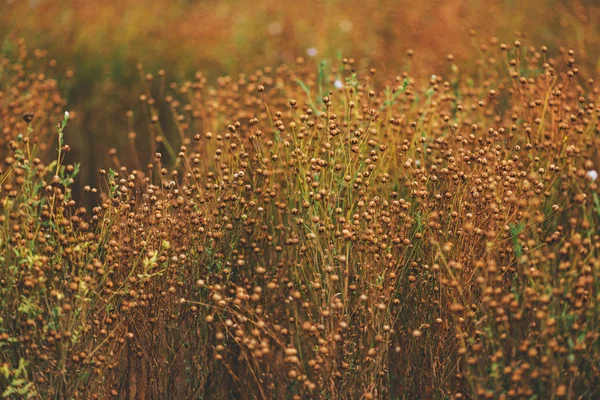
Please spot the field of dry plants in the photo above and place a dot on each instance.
(299, 200)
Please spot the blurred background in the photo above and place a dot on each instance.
(92, 47)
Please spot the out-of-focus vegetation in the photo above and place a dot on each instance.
(308, 200)
(100, 42)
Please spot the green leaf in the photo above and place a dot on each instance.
(391, 97)
(306, 90)
(4, 370)
(8, 392)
